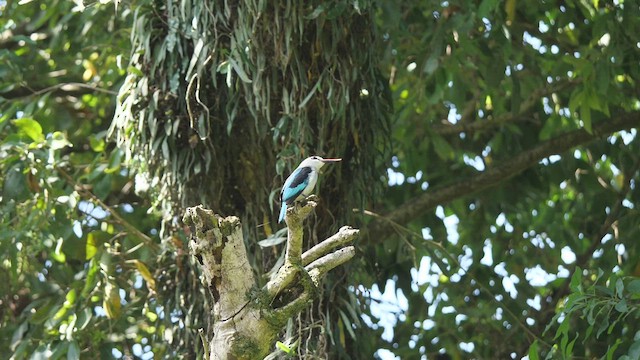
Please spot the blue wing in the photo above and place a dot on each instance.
(292, 188)
(295, 185)
(283, 212)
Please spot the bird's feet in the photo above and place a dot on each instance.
(311, 197)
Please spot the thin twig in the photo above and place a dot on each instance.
(68, 87)
(119, 219)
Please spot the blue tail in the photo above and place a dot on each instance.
(283, 212)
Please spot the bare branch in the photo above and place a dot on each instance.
(293, 258)
(283, 278)
(319, 268)
(294, 219)
(345, 235)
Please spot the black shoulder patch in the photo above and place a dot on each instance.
(301, 177)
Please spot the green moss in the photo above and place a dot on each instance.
(246, 348)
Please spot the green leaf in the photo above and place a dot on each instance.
(316, 12)
(576, 280)
(84, 318)
(96, 144)
(347, 324)
(272, 241)
(92, 278)
(621, 306)
(575, 100)
(431, 65)
(563, 329)
(58, 255)
(135, 70)
(240, 71)
(74, 351)
(634, 287)
(634, 350)
(604, 324)
(619, 288)
(442, 147)
(569, 349)
(70, 299)
(612, 349)
(487, 7)
(533, 351)
(283, 347)
(30, 128)
(551, 126)
(59, 349)
(585, 113)
(91, 248)
(15, 185)
(18, 334)
(42, 312)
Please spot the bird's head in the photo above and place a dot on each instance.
(316, 162)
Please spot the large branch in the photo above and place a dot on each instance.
(246, 320)
(383, 227)
(468, 122)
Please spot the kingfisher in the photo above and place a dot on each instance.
(301, 182)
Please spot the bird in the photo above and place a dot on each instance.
(301, 182)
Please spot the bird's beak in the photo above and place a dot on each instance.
(331, 160)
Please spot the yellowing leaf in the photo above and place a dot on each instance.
(90, 70)
(510, 9)
(111, 301)
(146, 274)
(91, 248)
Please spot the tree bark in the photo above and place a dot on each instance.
(247, 320)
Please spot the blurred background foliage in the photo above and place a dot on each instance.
(216, 102)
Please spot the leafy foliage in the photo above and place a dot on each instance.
(76, 271)
(484, 81)
(213, 102)
(216, 91)
(605, 308)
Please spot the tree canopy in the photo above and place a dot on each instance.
(491, 163)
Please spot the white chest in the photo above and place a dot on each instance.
(313, 178)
